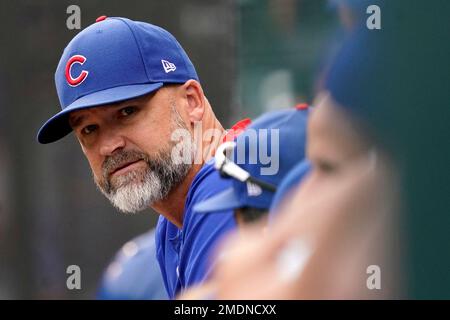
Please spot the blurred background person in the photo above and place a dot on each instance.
(266, 151)
(134, 272)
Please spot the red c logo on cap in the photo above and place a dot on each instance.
(73, 82)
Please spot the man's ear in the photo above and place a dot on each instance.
(195, 100)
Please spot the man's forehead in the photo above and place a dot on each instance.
(77, 116)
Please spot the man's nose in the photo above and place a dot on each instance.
(110, 142)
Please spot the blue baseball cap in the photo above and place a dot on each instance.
(289, 182)
(290, 126)
(113, 60)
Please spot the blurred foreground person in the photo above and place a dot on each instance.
(371, 219)
(337, 237)
(335, 231)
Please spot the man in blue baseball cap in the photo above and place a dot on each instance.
(261, 157)
(133, 98)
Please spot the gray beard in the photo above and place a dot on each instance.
(139, 189)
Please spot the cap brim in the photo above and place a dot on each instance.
(226, 200)
(58, 126)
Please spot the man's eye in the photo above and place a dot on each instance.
(89, 129)
(127, 111)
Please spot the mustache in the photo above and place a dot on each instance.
(121, 159)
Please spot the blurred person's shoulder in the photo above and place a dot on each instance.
(134, 272)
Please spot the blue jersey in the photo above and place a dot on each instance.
(183, 254)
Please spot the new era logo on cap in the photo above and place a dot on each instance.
(253, 190)
(168, 66)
